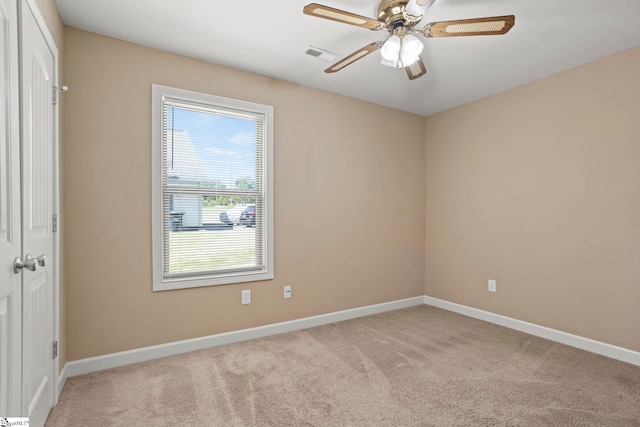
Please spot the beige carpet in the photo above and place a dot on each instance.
(420, 366)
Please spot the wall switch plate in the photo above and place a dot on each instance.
(246, 296)
(287, 291)
(492, 285)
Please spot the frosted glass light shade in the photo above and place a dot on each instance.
(400, 52)
(391, 49)
(411, 49)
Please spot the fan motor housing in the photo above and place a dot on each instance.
(390, 12)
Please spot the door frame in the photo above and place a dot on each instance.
(44, 29)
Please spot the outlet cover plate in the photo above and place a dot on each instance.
(246, 296)
(492, 285)
(287, 291)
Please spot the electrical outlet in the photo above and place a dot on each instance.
(287, 291)
(492, 285)
(246, 296)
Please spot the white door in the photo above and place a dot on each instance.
(37, 134)
(10, 227)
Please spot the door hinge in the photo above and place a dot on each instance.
(54, 223)
(55, 349)
(56, 93)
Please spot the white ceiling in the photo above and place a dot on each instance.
(270, 37)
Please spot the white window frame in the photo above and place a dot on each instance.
(162, 283)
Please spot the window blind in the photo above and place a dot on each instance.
(212, 189)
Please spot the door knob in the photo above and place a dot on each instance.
(17, 265)
(42, 260)
(29, 263)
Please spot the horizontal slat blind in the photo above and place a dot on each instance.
(212, 190)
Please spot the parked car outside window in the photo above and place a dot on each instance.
(239, 216)
(248, 217)
(231, 216)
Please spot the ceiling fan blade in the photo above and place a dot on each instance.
(415, 70)
(358, 54)
(415, 9)
(326, 12)
(493, 25)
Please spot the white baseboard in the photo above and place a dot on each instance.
(582, 343)
(99, 363)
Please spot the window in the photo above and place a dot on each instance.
(212, 190)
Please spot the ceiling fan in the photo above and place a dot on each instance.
(402, 49)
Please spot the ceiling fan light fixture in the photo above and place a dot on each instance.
(401, 51)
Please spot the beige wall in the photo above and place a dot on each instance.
(54, 23)
(349, 201)
(539, 188)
